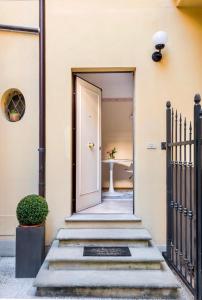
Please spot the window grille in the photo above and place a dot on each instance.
(15, 106)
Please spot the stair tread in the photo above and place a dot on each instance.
(103, 218)
(75, 253)
(106, 278)
(104, 234)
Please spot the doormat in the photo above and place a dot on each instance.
(106, 251)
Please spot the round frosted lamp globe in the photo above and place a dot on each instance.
(160, 38)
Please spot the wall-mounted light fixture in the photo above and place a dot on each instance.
(159, 39)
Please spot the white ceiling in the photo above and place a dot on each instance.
(114, 85)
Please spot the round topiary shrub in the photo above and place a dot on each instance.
(32, 210)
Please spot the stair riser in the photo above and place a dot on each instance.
(106, 242)
(104, 265)
(103, 225)
(113, 292)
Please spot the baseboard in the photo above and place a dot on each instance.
(7, 247)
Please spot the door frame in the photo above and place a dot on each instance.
(74, 72)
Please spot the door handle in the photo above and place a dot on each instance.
(91, 146)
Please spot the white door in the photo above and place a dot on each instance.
(88, 144)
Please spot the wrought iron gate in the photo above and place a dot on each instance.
(184, 203)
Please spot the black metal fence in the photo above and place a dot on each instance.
(184, 203)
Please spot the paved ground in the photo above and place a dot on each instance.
(10, 287)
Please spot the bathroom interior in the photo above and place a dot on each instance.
(117, 127)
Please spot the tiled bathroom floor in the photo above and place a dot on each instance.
(123, 204)
(111, 207)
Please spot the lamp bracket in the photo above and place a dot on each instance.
(159, 46)
(157, 56)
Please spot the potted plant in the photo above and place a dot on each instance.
(112, 153)
(14, 115)
(30, 235)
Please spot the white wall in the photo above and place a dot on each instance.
(117, 131)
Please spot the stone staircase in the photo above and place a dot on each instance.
(67, 272)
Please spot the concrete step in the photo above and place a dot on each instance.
(107, 283)
(105, 237)
(66, 258)
(80, 220)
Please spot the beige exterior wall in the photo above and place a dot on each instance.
(109, 34)
(19, 141)
(118, 34)
(19, 12)
(189, 3)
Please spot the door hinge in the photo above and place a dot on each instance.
(163, 145)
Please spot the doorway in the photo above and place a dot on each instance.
(103, 142)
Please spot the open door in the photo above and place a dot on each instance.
(88, 144)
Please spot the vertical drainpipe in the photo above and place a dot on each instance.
(42, 100)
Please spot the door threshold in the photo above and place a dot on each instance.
(103, 217)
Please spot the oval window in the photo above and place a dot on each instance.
(13, 103)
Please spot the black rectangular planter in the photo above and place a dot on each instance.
(30, 251)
